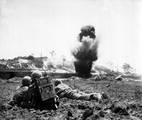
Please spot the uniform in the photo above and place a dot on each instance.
(29, 97)
(21, 97)
(63, 90)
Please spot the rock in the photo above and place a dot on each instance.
(95, 117)
(119, 78)
(134, 118)
(132, 105)
(82, 106)
(119, 108)
(87, 113)
(104, 96)
(102, 113)
(108, 85)
(70, 114)
(2, 107)
(98, 107)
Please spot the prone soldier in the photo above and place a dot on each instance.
(63, 90)
(42, 93)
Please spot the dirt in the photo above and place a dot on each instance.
(124, 103)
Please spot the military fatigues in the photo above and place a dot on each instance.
(30, 98)
(63, 90)
(21, 97)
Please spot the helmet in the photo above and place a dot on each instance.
(26, 81)
(36, 74)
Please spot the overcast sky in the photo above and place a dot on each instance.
(40, 26)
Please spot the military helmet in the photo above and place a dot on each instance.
(36, 74)
(26, 81)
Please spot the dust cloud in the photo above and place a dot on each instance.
(41, 26)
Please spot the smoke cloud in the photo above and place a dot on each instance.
(40, 26)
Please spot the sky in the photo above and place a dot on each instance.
(38, 27)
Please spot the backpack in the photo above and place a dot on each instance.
(43, 94)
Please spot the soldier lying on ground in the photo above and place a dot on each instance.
(29, 98)
(63, 90)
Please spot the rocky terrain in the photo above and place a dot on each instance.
(124, 102)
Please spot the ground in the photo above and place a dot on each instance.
(124, 103)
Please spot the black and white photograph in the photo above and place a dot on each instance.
(70, 60)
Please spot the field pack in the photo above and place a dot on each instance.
(46, 88)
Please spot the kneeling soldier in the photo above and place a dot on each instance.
(30, 94)
(21, 97)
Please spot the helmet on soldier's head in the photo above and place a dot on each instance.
(26, 81)
(36, 75)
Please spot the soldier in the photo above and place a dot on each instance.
(21, 97)
(63, 90)
(35, 95)
(36, 100)
(28, 94)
